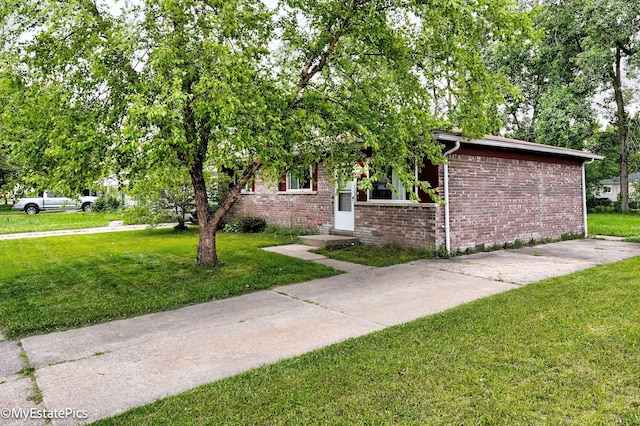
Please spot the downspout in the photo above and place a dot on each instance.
(447, 227)
(584, 197)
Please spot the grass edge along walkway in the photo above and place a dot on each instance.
(57, 283)
(560, 351)
(19, 222)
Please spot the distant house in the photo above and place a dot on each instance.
(497, 190)
(113, 186)
(609, 189)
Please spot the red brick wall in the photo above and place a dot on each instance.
(497, 200)
(492, 201)
(289, 209)
(410, 225)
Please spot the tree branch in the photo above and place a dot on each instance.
(627, 51)
(103, 27)
(309, 71)
(235, 192)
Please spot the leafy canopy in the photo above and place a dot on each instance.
(91, 91)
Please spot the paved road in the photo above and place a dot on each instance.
(108, 368)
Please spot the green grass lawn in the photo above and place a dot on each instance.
(55, 283)
(366, 254)
(561, 351)
(5, 209)
(616, 224)
(15, 222)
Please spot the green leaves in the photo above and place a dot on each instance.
(228, 84)
(388, 72)
(62, 120)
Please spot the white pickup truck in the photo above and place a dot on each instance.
(49, 201)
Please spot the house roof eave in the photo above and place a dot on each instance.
(515, 144)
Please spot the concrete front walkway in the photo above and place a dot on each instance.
(108, 368)
(302, 252)
(115, 226)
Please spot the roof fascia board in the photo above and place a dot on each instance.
(530, 147)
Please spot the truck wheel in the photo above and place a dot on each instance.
(31, 209)
(86, 207)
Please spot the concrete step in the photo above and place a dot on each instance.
(326, 240)
(342, 233)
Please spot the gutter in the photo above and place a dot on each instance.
(447, 225)
(584, 196)
(514, 144)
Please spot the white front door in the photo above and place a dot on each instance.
(343, 206)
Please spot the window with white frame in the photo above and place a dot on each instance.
(248, 187)
(385, 189)
(299, 181)
(297, 184)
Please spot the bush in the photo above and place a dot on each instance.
(138, 215)
(251, 224)
(602, 209)
(99, 205)
(106, 204)
(231, 227)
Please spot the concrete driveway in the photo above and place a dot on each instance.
(108, 368)
(530, 264)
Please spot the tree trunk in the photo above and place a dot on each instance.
(207, 255)
(616, 76)
(624, 184)
(208, 223)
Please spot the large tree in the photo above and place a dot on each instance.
(610, 51)
(588, 50)
(231, 85)
(554, 104)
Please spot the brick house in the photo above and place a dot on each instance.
(496, 190)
